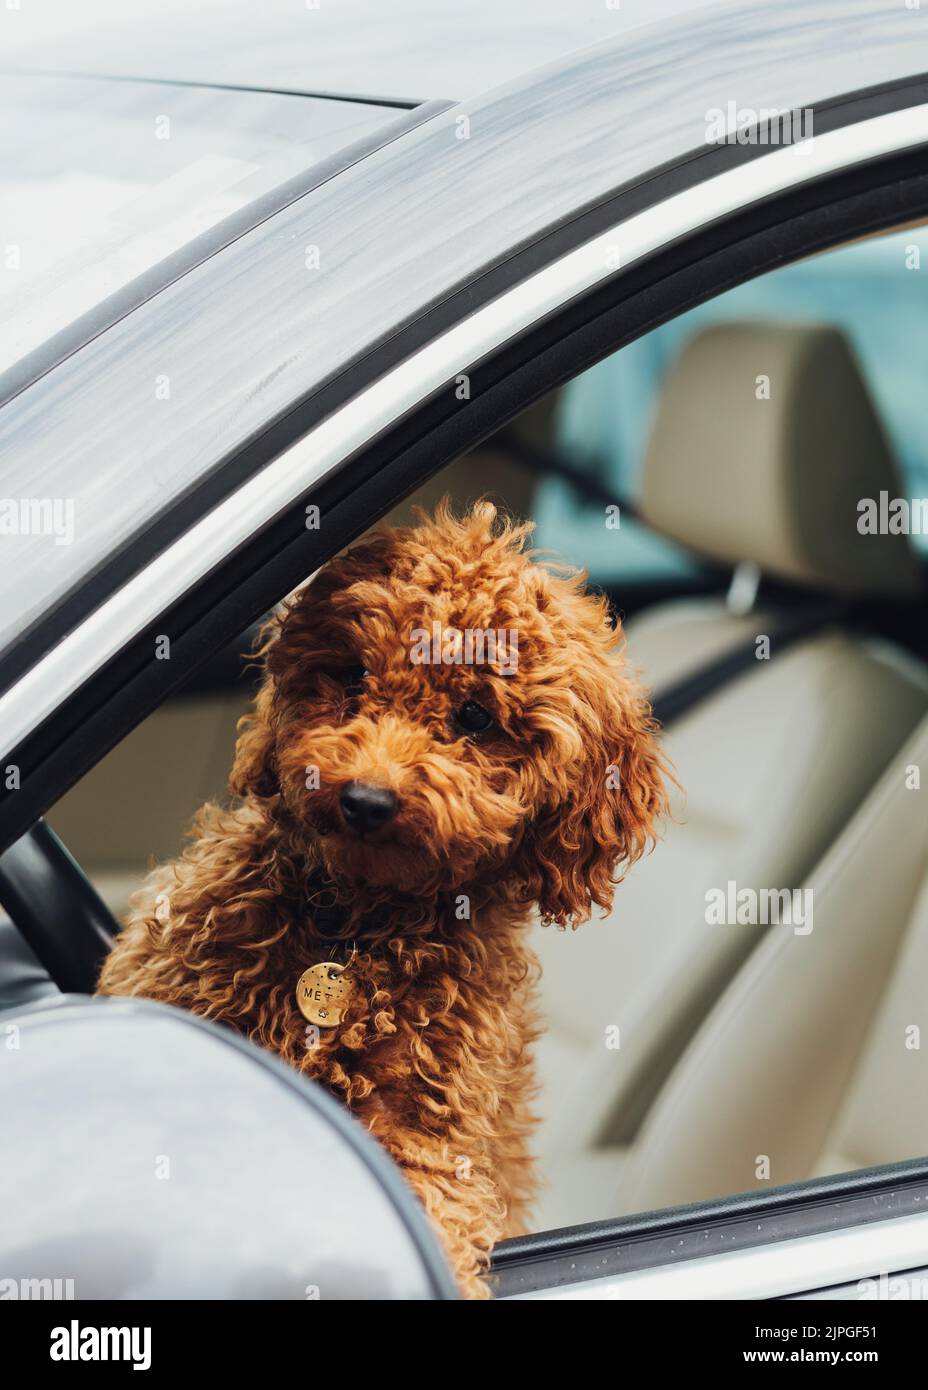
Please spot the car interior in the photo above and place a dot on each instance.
(707, 476)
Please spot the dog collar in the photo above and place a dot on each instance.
(324, 990)
(328, 915)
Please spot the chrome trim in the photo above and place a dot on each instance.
(777, 1270)
(269, 493)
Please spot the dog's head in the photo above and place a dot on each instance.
(440, 709)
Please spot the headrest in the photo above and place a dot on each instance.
(765, 444)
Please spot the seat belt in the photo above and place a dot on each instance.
(684, 695)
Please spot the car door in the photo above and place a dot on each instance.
(338, 352)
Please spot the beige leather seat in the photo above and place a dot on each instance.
(813, 1058)
(774, 765)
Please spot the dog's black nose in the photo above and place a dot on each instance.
(367, 808)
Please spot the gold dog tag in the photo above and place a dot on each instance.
(323, 994)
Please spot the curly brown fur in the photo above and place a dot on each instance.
(547, 809)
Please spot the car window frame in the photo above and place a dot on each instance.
(670, 1253)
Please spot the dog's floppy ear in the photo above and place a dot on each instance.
(576, 853)
(254, 771)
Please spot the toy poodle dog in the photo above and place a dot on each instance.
(446, 739)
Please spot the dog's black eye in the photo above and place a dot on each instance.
(473, 718)
(352, 677)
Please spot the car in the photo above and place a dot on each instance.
(663, 294)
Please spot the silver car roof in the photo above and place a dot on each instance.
(407, 50)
